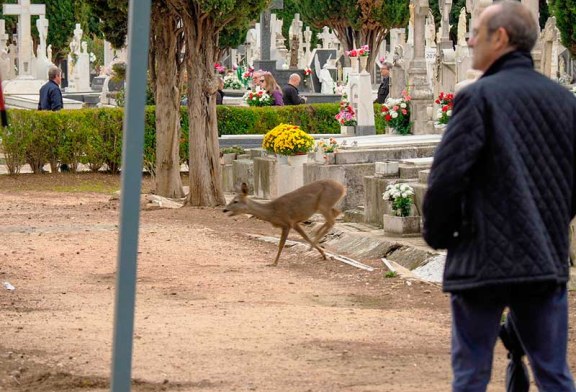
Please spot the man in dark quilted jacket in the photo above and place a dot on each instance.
(500, 199)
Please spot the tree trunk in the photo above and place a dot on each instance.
(205, 185)
(167, 74)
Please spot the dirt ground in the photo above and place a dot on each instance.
(211, 315)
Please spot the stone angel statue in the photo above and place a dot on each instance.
(324, 76)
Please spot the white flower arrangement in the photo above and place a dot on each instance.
(402, 197)
(257, 98)
(231, 81)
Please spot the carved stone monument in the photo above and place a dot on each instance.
(422, 99)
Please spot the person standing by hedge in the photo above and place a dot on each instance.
(290, 91)
(51, 97)
(50, 93)
(270, 85)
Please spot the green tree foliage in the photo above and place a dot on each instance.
(113, 15)
(356, 22)
(565, 13)
(544, 13)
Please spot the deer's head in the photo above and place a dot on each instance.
(238, 205)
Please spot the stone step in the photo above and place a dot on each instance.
(423, 176)
(354, 215)
(410, 171)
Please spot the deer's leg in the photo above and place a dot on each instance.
(300, 230)
(285, 231)
(330, 221)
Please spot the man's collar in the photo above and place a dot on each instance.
(512, 59)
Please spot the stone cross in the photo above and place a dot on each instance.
(24, 10)
(325, 37)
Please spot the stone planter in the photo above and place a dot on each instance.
(297, 160)
(348, 130)
(401, 225)
(330, 158)
(228, 158)
(354, 64)
(439, 128)
(363, 64)
(282, 159)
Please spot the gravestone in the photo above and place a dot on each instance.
(265, 63)
(98, 83)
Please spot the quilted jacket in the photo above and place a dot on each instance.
(501, 190)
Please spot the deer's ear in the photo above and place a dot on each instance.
(244, 188)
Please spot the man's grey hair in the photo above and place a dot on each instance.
(387, 65)
(53, 71)
(295, 76)
(518, 22)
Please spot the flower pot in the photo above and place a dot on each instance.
(354, 64)
(297, 160)
(401, 225)
(282, 159)
(330, 158)
(228, 158)
(319, 156)
(439, 128)
(363, 63)
(348, 130)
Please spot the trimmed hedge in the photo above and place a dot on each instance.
(94, 136)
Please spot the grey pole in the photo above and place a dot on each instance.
(132, 150)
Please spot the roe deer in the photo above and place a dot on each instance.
(289, 210)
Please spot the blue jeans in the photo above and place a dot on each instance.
(539, 314)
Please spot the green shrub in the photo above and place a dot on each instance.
(94, 136)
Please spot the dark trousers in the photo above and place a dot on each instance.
(539, 314)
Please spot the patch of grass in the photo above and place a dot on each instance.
(391, 274)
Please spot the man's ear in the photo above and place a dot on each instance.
(501, 38)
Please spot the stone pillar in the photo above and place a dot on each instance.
(422, 98)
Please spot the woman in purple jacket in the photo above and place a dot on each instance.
(269, 84)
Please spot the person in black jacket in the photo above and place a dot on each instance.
(384, 88)
(290, 93)
(50, 93)
(500, 199)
